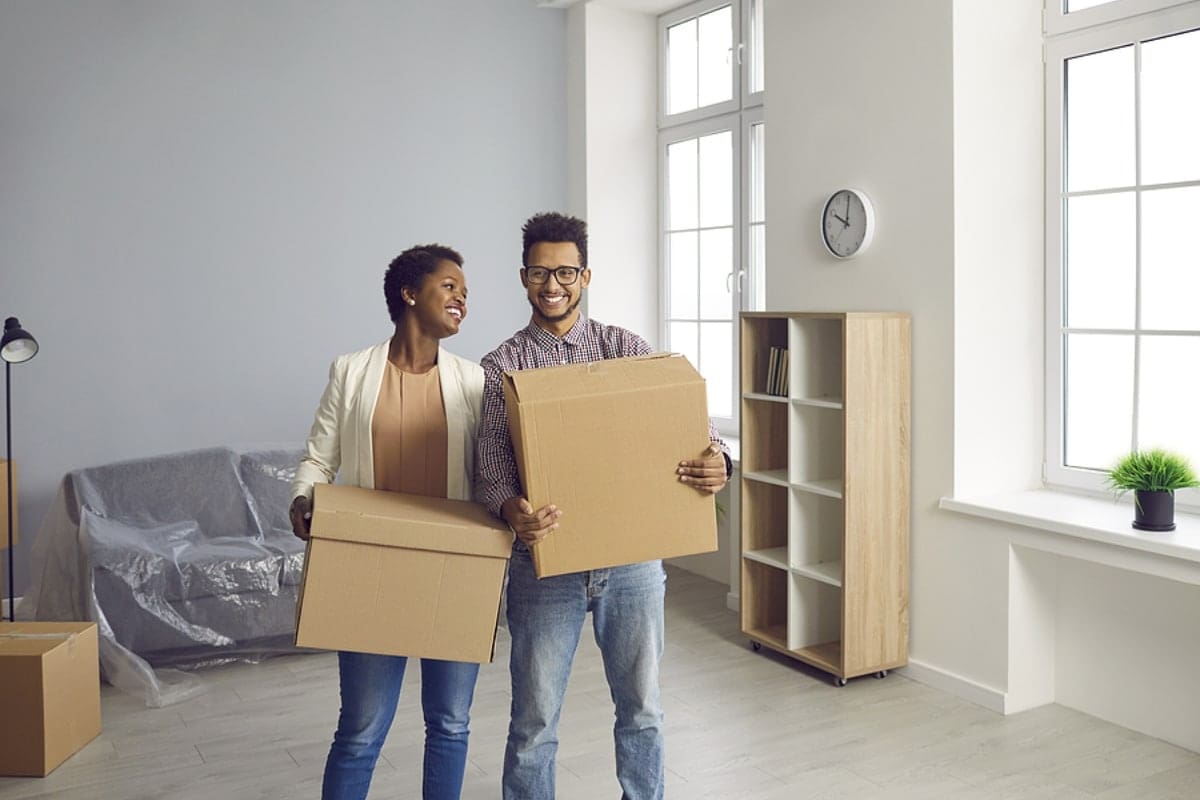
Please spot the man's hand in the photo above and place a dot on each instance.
(301, 515)
(706, 473)
(530, 526)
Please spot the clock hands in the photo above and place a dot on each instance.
(845, 222)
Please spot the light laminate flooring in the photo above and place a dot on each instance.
(740, 726)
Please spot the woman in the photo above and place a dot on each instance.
(400, 416)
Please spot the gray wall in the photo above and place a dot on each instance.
(198, 201)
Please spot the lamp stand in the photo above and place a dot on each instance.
(12, 611)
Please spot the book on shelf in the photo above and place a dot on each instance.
(777, 371)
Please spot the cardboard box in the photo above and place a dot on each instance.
(5, 466)
(602, 442)
(400, 574)
(49, 694)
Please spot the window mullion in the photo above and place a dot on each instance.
(1137, 241)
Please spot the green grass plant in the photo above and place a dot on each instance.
(1152, 471)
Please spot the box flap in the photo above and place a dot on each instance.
(37, 638)
(392, 519)
(598, 378)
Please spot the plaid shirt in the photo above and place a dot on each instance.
(530, 348)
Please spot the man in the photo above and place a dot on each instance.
(545, 617)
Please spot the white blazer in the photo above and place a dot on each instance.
(340, 438)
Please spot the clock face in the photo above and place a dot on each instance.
(847, 223)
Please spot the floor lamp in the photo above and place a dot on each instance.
(16, 347)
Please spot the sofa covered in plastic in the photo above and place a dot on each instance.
(183, 560)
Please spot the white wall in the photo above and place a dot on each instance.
(934, 107)
(200, 199)
(862, 94)
(618, 50)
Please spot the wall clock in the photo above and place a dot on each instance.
(847, 223)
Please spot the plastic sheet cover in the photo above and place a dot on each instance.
(184, 561)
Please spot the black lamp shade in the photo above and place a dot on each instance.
(17, 345)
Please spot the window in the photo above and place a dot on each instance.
(712, 221)
(1123, 240)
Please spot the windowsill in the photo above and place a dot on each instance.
(1081, 517)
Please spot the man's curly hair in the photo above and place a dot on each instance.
(554, 227)
(409, 270)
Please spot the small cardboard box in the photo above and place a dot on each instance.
(602, 442)
(49, 694)
(399, 574)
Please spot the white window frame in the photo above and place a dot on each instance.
(737, 115)
(1088, 33)
(1057, 21)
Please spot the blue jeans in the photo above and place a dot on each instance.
(545, 619)
(370, 691)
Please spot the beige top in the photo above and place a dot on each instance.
(408, 430)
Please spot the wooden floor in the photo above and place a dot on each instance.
(740, 726)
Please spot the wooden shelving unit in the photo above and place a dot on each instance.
(825, 489)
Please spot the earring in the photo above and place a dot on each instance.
(412, 302)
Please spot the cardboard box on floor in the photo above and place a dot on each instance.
(49, 694)
(602, 442)
(400, 574)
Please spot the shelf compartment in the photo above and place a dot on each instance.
(764, 435)
(827, 487)
(826, 656)
(759, 335)
(765, 600)
(764, 518)
(771, 556)
(777, 477)
(829, 572)
(818, 402)
(816, 436)
(814, 612)
(816, 350)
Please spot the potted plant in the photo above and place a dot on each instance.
(1153, 476)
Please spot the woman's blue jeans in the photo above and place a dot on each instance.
(545, 619)
(370, 691)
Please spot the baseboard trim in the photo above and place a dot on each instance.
(989, 697)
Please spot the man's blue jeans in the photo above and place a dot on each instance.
(545, 619)
(370, 691)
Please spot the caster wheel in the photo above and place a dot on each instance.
(881, 674)
(755, 646)
(839, 681)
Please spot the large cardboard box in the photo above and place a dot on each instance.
(49, 694)
(602, 442)
(403, 575)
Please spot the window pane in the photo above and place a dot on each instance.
(1170, 109)
(1169, 384)
(685, 340)
(681, 59)
(715, 34)
(716, 264)
(1171, 260)
(757, 77)
(1099, 399)
(758, 267)
(1079, 5)
(758, 156)
(683, 274)
(716, 179)
(1101, 261)
(682, 184)
(1100, 149)
(716, 365)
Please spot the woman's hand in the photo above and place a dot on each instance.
(301, 516)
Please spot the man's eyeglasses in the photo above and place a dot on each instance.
(564, 275)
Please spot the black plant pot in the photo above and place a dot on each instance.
(1154, 511)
